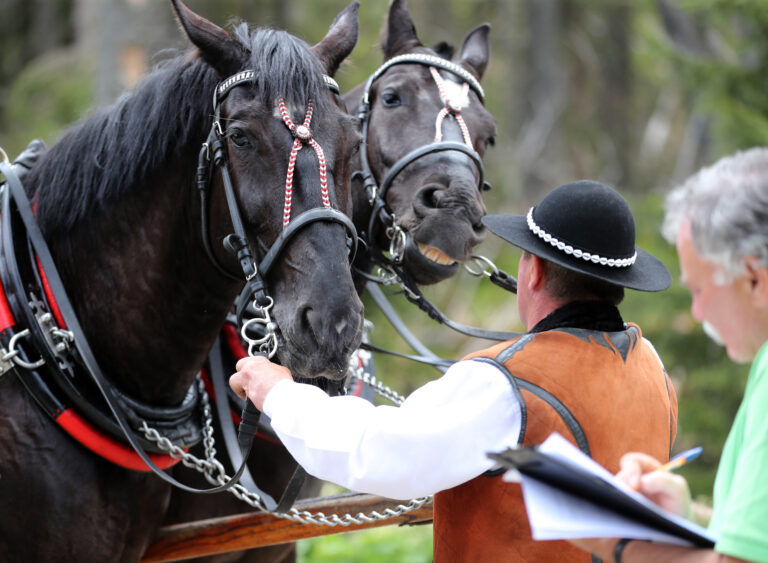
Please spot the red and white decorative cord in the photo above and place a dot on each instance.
(302, 134)
(451, 107)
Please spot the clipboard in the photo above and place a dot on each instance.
(596, 489)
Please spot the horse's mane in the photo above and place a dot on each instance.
(160, 125)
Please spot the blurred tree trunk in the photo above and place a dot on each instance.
(615, 111)
(541, 98)
(124, 35)
(689, 36)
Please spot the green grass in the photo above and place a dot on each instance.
(378, 545)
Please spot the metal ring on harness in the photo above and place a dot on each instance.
(13, 354)
(484, 266)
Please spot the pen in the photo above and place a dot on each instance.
(681, 459)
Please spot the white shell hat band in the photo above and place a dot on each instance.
(576, 252)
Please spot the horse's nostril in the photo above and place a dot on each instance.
(430, 196)
(340, 326)
(320, 325)
(309, 318)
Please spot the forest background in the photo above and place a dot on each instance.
(638, 94)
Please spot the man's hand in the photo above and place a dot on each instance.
(669, 491)
(256, 377)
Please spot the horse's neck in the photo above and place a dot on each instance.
(148, 298)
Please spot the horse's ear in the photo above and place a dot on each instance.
(217, 47)
(476, 50)
(400, 33)
(340, 39)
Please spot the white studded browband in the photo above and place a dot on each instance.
(576, 252)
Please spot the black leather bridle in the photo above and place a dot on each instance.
(382, 216)
(213, 155)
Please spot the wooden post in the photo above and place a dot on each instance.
(257, 529)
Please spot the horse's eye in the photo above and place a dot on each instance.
(390, 98)
(238, 138)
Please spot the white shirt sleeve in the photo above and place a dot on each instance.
(437, 439)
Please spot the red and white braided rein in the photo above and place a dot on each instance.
(451, 107)
(302, 134)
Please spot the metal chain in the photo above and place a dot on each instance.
(214, 471)
(380, 389)
(319, 518)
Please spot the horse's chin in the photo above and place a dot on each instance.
(307, 367)
(427, 264)
(332, 387)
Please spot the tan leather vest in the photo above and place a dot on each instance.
(609, 385)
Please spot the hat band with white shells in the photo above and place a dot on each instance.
(576, 252)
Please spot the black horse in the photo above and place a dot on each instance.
(419, 181)
(117, 201)
(435, 199)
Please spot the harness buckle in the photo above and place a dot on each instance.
(57, 340)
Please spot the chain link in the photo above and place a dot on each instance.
(216, 475)
(378, 387)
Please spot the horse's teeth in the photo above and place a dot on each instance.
(436, 255)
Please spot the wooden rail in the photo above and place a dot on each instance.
(257, 529)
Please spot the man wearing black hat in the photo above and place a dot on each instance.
(578, 370)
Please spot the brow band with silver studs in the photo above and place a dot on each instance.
(576, 252)
(332, 84)
(247, 76)
(429, 60)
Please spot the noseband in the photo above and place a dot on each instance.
(452, 107)
(214, 151)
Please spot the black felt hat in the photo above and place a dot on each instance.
(587, 227)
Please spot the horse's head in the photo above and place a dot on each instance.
(287, 142)
(434, 195)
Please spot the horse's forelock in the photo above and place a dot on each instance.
(285, 66)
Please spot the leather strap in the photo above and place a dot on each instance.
(619, 549)
(232, 441)
(309, 216)
(40, 247)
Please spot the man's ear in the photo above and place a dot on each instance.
(757, 276)
(537, 273)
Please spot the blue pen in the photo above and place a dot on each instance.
(681, 459)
